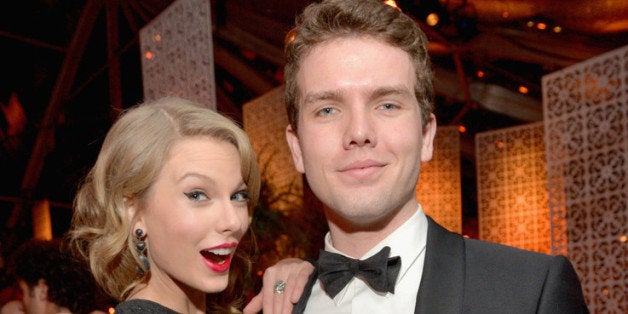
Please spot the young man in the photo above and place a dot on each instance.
(359, 97)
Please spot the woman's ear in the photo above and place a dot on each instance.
(133, 214)
(130, 208)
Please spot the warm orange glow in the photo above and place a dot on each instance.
(462, 128)
(260, 273)
(523, 89)
(480, 73)
(14, 115)
(557, 29)
(432, 19)
(541, 26)
(392, 3)
(149, 55)
(42, 222)
(157, 38)
(440, 187)
(530, 24)
(623, 238)
(291, 38)
(111, 310)
(505, 14)
(507, 155)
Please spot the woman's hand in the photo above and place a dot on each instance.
(295, 273)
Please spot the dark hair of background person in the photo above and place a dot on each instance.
(69, 281)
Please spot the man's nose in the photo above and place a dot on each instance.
(359, 130)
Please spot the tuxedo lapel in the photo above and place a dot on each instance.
(442, 282)
(307, 290)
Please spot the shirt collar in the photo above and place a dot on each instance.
(407, 242)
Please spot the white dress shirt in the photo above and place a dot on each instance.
(408, 242)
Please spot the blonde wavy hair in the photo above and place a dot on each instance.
(132, 155)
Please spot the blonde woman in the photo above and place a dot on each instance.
(161, 214)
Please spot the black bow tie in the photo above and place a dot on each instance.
(379, 271)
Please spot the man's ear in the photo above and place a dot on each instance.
(429, 131)
(295, 148)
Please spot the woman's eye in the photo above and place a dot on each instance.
(196, 196)
(241, 196)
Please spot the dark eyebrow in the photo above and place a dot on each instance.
(390, 90)
(324, 95)
(337, 95)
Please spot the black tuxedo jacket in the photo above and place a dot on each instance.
(469, 276)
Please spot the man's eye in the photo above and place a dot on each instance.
(389, 106)
(326, 111)
(242, 196)
(196, 196)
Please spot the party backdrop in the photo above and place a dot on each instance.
(177, 53)
(512, 187)
(439, 188)
(586, 124)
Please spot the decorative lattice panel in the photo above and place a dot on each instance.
(586, 120)
(439, 187)
(512, 187)
(265, 120)
(177, 53)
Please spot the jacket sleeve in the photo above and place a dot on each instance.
(562, 292)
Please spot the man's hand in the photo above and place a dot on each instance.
(295, 272)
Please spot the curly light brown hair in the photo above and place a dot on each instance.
(328, 20)
(132, 156)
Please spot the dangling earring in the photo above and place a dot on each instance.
(140, 246)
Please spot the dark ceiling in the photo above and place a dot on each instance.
(73, 63)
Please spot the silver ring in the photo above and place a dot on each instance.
(279, 287)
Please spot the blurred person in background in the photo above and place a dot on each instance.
(51, 279)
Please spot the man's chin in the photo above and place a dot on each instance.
(367, 219)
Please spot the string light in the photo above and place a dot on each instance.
(392, 3)
(523, 89)
(432, 19)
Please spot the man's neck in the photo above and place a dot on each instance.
(356, 240)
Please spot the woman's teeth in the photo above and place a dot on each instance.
(217, 256)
